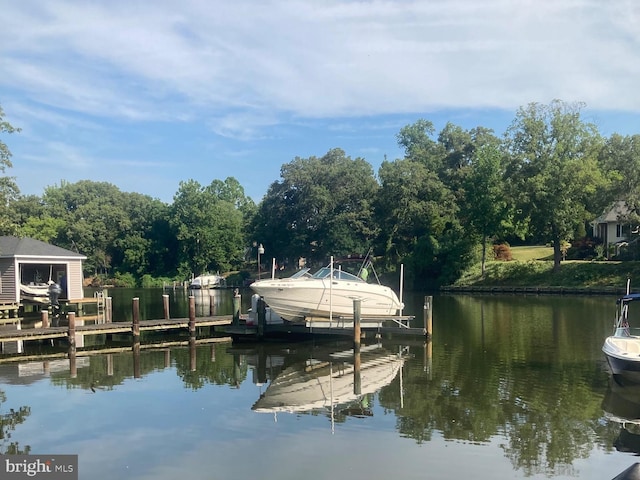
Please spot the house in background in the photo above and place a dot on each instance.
(28, 265)
(613, 229)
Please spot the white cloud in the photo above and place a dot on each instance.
(92, 80)
(317, 59)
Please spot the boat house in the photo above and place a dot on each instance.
(28, 265)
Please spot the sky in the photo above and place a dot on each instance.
(146, 94)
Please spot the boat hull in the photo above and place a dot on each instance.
(623, 356)
(303, 298)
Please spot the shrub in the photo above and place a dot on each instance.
(502, 251)
(124, 280)
(585, 248)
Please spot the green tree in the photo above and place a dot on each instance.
(620, 160)
(554, 169)
(143, 244)
(320, 207)
(208, 226)
(8, 187)
(95, 215)
(486, 210)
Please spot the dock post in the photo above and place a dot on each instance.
(428, 315)
(135, 310)
(262, 316)
(429, 358)
(44, 316)
(165, 303)
(109, 310)
(357, 381)
(236, 307)
(71, 332)
(357, 308)
(192, 315)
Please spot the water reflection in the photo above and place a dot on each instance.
(519, 382)
(331, 380)
(621, 406)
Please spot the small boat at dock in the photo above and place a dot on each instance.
(622, 349)
(207, 280)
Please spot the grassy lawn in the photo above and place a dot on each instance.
(533, 266)
(526, 253)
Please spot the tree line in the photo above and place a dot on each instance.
(437, 210)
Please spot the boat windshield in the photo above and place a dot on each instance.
(337, 274)
(301, 273)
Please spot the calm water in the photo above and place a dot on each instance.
(511, 387)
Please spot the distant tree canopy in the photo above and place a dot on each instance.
(8, 187)
(436, 210)
(321, 207)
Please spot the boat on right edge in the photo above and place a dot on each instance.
(622, 349)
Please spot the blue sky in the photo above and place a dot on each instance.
(145, 94)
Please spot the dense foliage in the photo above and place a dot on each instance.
(437, 210)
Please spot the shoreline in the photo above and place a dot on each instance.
(555, 290)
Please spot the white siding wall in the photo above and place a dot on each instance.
(612, 236)
(74, 282)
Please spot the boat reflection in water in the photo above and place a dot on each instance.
(621, 405)
(337, 382)
(207, 301)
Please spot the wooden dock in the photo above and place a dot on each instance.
(233, 325)
(109, 328)
(354, 326)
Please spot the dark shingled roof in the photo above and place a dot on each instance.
(15, 247)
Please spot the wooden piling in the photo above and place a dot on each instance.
(108, 310)
(429, 359)
(165, 303)
(428, 315)
(262, 316)
(236, 308)
(357, 308)
(44, 316)
(71, 332)
(357, 382)
(135, 310)
(192, 315)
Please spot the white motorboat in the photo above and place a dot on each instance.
(622, 349)
(327, 293)
(206, 280)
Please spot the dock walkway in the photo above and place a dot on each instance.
(116, 327)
